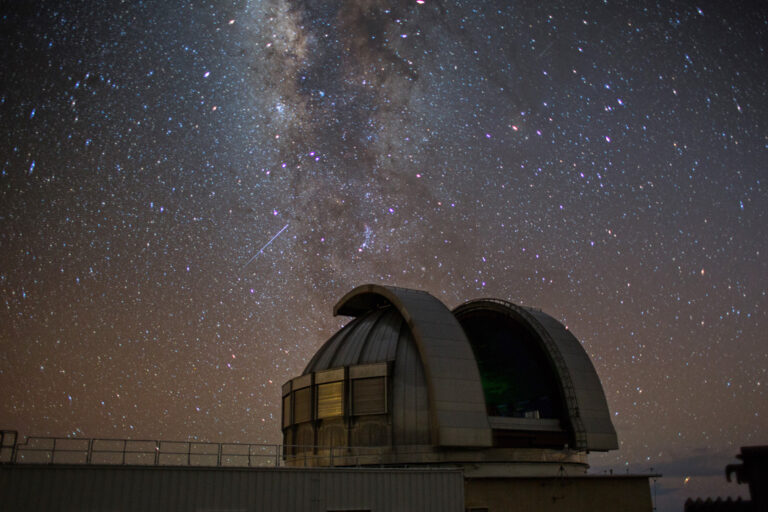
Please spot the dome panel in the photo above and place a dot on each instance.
(384, 338)
(583, 398)
(457, 419)
(410, 412)
(370, 338)
(322, 358)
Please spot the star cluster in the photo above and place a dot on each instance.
(187, 188)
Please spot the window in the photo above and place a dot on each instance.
(369, 396)
(302, 405)
(329, 399)
(286, 410)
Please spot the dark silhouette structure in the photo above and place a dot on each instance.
(753, 471)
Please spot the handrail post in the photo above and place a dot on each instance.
(14, 453)
(277, 455)
(89, 454)
(157, 453)
(125, 447)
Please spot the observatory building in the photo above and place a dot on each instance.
(500, 388)
(504, 392)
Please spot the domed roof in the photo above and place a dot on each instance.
(371, 338)
(487, 374)
(421, 324)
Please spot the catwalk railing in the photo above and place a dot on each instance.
(137, 452)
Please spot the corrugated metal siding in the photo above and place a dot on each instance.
(107, 488)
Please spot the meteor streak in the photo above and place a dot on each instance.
(265, 246)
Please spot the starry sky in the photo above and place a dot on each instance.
(188, 187)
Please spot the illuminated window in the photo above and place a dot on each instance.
(286, 410)
(302, 406)
(329, 399)
(369, 396)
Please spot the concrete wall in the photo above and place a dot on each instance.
(30, 488)
(576, 494)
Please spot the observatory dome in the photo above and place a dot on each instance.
(408, 381)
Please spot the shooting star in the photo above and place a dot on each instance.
(265, 246)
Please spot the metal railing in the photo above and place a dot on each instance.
(140, 452)
(137, 452)
(62, 450)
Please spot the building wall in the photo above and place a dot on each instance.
(585, 494)
(32, 488)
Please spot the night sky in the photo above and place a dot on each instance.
(188, 188)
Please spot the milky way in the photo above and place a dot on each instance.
(606, 164)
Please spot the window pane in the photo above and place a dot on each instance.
(329, 399)
(286, 410)
(303, 406)
(368, 396)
